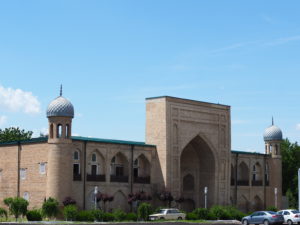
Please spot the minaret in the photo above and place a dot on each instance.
(273, 138)
(60, 113)
(273, 168)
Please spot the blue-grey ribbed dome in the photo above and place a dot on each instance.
(273, 133)
(60, 107)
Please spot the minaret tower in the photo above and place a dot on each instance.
(273, 165)
(273, 138)
(60, 113)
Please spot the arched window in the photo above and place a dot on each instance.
(67, 131)
(188, 183)
(76, 155)
(59, 131)
(276, 149)
(94, 157)
(254, 173)
(51, 130)
(267, 174)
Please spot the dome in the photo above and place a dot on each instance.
(60, 107)
(273, 133)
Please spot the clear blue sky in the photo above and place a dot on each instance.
(111, 55)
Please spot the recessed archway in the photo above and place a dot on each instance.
(197, 164)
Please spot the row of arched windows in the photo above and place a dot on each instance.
(119, 168)
(243, 174)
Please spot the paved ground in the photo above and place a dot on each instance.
(223, 222)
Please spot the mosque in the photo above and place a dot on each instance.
(187, 150)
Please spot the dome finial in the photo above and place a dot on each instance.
(272, 121)
(60, 94)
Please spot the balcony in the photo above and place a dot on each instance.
(142, 180)
(93, 177)
(257, 183)
(243, 182)
(76, 177)
(121, 179)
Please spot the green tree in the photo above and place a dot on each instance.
(3, 213)
(14, 134)
(70, 212)
(290, 153)
(144, 211)
(17, 206)
(50, 208)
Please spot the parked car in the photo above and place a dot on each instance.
(263, 217)
(168, 214)
(290, 216)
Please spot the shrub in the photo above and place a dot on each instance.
(144, 211)
(85, 215)
(272, 208)
(17, 206)
(191, 216)
(108, 217)
(70, 212)
(218, 212)
(34, 215)
(50, 208)
(119, 215)
(201, 213)
(3, 212)
(234, 213)
(98, 214)
(131, 217)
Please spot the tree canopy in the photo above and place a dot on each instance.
(14, 134)
(290, 163)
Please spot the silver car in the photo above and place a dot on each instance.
(263, 217)
(290, 216)
(168, 214)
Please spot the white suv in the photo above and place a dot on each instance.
(168, 214)
(290, 216)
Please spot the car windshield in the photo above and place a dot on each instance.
(271, 212)
(162, 211)
(295, 211)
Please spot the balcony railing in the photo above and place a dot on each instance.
(257, 183)
(76, 177)
(243, 182)
(232, 182)
(92, 177)
(121, 179)
(142, 180)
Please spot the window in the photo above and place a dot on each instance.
(76, 155)
(23, 174)
(136, 168)
(94, 170)
(67, 131)
(42, 168)
(59, 131)
(119, 171)
(26, 196)
(76, 169)
(113, 160)
(94, 157)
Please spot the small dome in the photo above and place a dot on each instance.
(273, 133)
(60, 107)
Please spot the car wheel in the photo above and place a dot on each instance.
(180, 218)
(289, 222)
(266, 222)
(245, 222)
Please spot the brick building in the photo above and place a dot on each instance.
(187, 148)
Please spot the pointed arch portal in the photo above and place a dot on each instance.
(197, 164)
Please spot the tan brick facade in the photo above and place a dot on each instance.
(188, 147)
